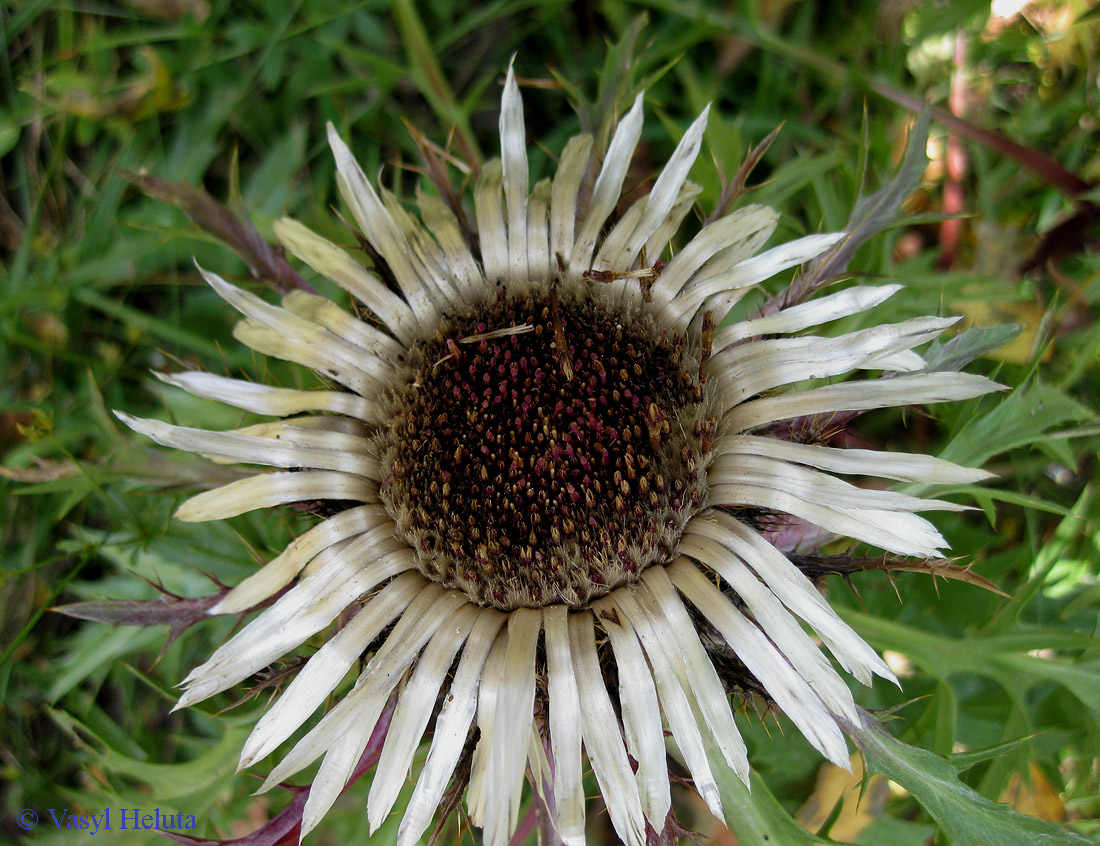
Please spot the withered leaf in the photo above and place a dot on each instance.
(176, 612)
(844, 565)
(234, 230)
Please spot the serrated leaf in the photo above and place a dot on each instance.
(954, 354)
(176, 612)
(1002, 658)
(732, 189)
(845, 565)
(172, 611)
(947, 570)
(963, 761)
(234, 230)
(870, 216)
(1082, 678)
(1021, 420)
(616, 83)
(966, 817)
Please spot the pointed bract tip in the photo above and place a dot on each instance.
(336, 143)
(218, 609)
(248, 758)
(212, 279)
(185, 514)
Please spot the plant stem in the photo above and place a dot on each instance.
(432, 83)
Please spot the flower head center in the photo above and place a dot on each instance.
(547, 449)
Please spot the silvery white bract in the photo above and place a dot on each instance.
(546, 462)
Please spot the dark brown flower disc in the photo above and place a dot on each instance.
(546, 449)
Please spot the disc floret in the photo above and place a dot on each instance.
(547, 448)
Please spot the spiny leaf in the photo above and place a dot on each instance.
(234, 230)
(845, 565)
(733, 189)
(163, 611)
(616, 85)
(176, 612)
(966, 817)
(870, 216)
(954, 354)
(757, 818)
(1022, 420)
(432, 82)
(271, 678)
(963, 761)
(435, 160)
(1003, 658)
(146, 466)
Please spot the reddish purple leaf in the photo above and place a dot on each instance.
(234, 230)
(732, 189)
(283, 829)
(176, 612)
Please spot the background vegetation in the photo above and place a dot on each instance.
(98, 287)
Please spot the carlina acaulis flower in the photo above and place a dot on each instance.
(547, 459)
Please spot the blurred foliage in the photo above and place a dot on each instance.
(99, 287)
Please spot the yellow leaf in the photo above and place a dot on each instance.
(837, 785)
(1037, 798)
(999, 312)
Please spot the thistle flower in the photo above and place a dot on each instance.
(548, 464)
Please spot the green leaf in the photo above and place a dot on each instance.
(887, 831)
(9, 133)
(966, 817)
(1002, 658)
(168, 781)
(756, 816)
(163, 329)
(95, 648)
(1021, 420)
(963, 761)
(991, 495)
(955, 354)
(232, 228)
(1082, 679)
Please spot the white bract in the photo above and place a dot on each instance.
(458, 635)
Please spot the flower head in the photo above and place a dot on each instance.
(549, 465)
